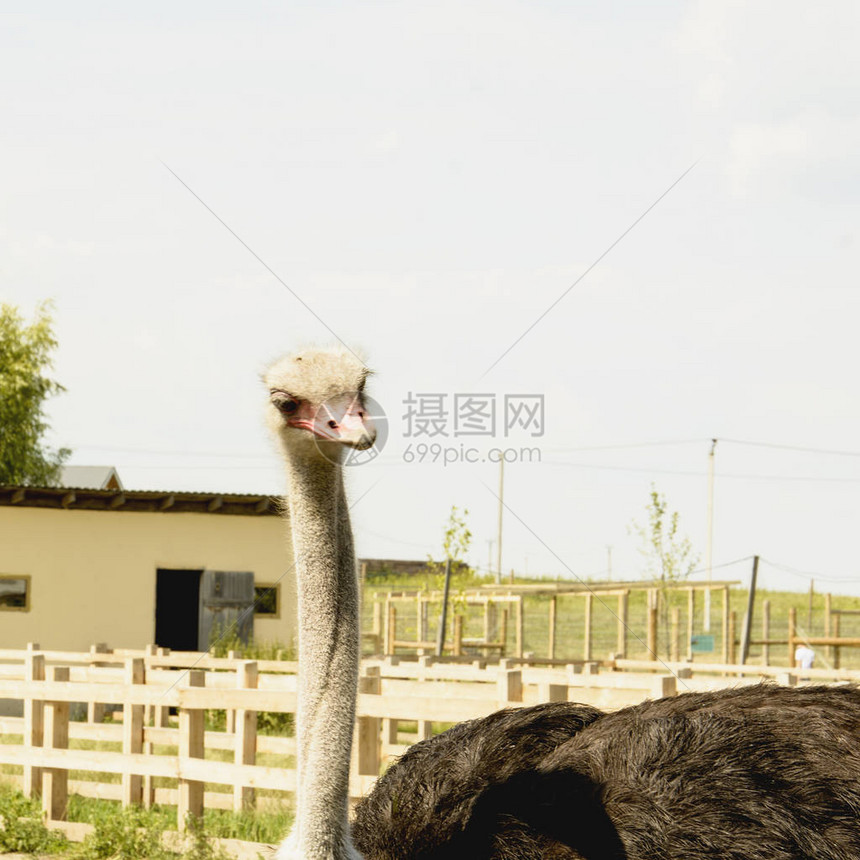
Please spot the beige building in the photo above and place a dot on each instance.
(131, 568)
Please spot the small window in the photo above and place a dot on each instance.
(15, 592)
(267, 601)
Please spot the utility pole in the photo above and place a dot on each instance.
(490, 543)
(748, 618)
(709, 544)
(501, 511)
(609, 563)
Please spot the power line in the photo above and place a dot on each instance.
(122, 449)
(173, 452)
(559, 299)
(701, 474)
(619, 446)
(259, 259)
(775, 445)
(803, 574)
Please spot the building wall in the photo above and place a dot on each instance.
(408, 567)
(93, 573)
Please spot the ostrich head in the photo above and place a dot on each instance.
(316, 403)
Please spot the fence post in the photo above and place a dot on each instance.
(162, 712)
(725, 624)
(246, 734)
(420, 623)
(503, 638)
(391, 628)
(589, 610)
(96, 710)
(390, 725)
(368, 757)
(377, 627)
(458, 635)
(552, 692)
(733, 623)
(664, 685)
(491, 623)
(765, 632)
(510, 686)
(652, 625)
(792, 634)
(191, 742)
(230, 713)
(389, 732)
(621, 645)
(148, 711)
(691, 614)
(520, 623)
(149, 718)
(837, 621)
(34, 715)
(132, 732)
(674, 645)
(55, 781)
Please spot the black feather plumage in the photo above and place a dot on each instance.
(760, 773)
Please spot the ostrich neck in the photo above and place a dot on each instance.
(328, 642)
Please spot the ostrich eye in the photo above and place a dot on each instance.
(288, 407)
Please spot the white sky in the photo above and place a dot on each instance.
(429, 179)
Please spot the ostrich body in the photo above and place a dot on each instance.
(755, 773)
(759, 773)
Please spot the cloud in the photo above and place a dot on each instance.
(805, 152)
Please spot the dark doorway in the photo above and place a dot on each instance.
(177, 609)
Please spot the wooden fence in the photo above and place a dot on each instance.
(393, 611)
(400, 701)
(501, 610)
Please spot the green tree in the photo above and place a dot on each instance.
(669, 555)
(25, 358)
(455, 544)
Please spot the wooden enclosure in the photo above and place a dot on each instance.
(600, 621)
(504, 611)
(400, 701)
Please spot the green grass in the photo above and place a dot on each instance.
(21, 827)
(268, 826)
(129, 834)
(222, 643)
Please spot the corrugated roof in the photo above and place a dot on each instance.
(158, 501)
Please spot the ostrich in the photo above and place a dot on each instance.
(316, 410)
(760, 773)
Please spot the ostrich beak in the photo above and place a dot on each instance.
(343, 420)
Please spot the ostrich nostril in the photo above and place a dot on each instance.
(333, 424)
